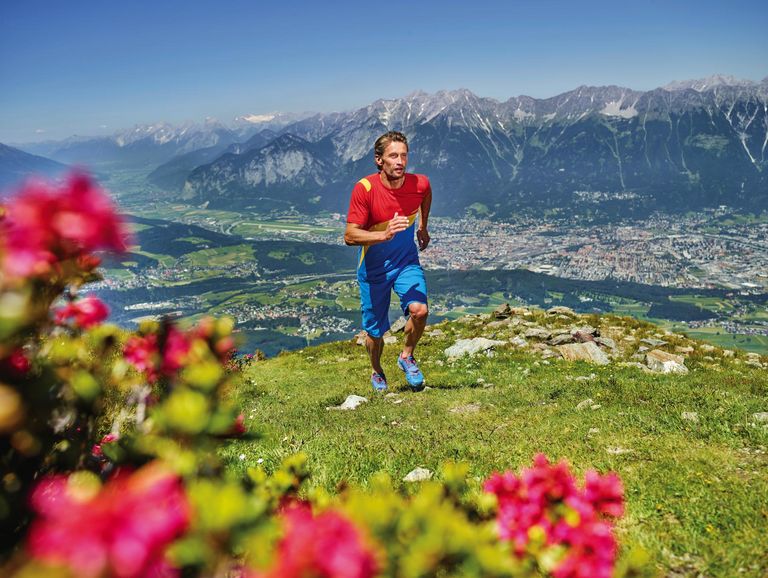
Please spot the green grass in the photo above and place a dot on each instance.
(696, 491)
(221, 256)
(716, 336)
(709, 303)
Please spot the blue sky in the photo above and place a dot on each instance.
(95, 66)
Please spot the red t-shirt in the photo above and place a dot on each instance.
(375, 204)
(372, 206)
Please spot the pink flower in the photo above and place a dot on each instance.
(606, 493)
(547, 496)
(238, 428)
(46, 224)
(143, 354)
(323, 546)
(16, 364)
(97, 450)
(592, 553)
(85, 312)
(122, 530)
(175, 350)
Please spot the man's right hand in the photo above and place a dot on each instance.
(395, 226)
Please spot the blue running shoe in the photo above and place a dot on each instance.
(378, 381)
(413, 374)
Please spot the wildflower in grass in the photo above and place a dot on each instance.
(238, 427)
(325, 546)
(546, 499)
(46, 224)
(121, 529)
(84, 313)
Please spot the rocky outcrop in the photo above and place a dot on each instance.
(663, 362)
(588, 351)
(471, 347)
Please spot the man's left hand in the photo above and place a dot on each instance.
(423, 236)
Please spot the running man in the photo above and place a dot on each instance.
(381, 220)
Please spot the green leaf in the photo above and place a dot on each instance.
(85, 385)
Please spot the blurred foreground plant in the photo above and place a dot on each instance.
(108, 450)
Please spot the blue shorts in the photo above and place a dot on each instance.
(410, 286)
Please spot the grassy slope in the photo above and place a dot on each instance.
(696, 491)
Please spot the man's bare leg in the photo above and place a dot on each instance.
(375, 346)
(414, 327)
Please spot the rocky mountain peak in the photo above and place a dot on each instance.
(703, 84)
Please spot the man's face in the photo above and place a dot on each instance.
(394, 160)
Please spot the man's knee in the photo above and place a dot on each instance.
(418, 311)
(371, 341)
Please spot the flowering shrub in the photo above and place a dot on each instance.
(151, 498)
(545, 504)
(121, 529)
(326, 544)
(83, 313)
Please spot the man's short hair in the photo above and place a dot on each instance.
(385, 140)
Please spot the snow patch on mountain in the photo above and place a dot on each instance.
(257, 118)
(614, 108)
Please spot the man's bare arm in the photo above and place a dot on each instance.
(422, 234)
(354, 234)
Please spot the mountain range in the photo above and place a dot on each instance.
(685, 146)
(15, 165)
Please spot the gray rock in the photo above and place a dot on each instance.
(728, 353)
(418, 475)
(683, 349)
(690, 416)
(518, 341)
(707, 348)
(436, 333)
(537, 333)
(588, 351)
(562, 339)
(761, 416)
(561, 310)
(398, 325)
(617, 450)
(390, 339)
(352, 402)
(471, 346)
(468, 408)
(663, 362)
(587, 330)
(587, 403)
(521, 311)
(502, 311)
(653, 342)
(606, 341)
